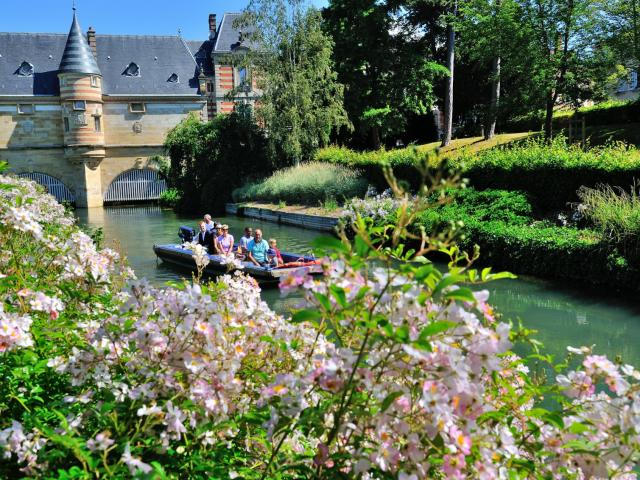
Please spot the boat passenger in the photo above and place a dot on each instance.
(217, 232)
(208, 222)
(204, 238)
(273, 246)
(257, 250)
(225, 241)
(246, 238)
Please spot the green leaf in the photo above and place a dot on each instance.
(447, 282)
(463, 294)
(306, 316)
(436, 327)
(389, 399)
(340, 295)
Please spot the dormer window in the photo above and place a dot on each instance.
(25, 70)
(132, 70)
(174, 78)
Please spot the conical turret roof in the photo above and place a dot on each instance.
(78, 57)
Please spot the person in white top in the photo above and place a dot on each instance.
(208, 222)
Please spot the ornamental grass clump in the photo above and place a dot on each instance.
(392, 368)
(615, 213)
(308, 184)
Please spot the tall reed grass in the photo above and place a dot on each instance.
(310, 183)
(615, 212)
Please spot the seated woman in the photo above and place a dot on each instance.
(277, 256)
(225, 241)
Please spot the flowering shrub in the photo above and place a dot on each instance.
(389, 369)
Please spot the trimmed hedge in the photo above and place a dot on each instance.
(612, 112)
(550, 173)
(501, 224)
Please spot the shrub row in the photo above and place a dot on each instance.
(606, 113)
(308, 183)
(550, 173)
(500, 223)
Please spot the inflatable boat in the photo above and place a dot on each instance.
(181, 256)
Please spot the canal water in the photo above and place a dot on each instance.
(563, 315)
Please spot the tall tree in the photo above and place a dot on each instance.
(450, 63)
(302, 101)
(388, 69)
(491, 33)
(566, 61)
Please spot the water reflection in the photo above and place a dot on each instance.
(562, 315)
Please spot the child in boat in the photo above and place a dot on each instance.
(276, 261)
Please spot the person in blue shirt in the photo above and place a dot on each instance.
(257, 249)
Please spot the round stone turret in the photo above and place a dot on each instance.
(81, 96)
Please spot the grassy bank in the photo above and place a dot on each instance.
(550, 173)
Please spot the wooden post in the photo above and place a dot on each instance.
(584, 132)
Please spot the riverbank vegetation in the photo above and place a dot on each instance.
(390, 369)
(310, 183)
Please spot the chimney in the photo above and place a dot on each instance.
(212, 26)
(91, 38)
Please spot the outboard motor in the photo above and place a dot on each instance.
(186, 234)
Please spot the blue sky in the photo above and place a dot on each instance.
(133, 17)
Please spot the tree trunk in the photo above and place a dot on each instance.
(375, 137)
(448, 101)
(636, 40)
(490, 129)
(548, 119)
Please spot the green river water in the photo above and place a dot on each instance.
(562, 314)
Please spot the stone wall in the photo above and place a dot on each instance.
(42, 128)
(123, 127)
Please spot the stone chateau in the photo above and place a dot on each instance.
(83, 114)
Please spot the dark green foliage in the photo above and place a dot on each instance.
(502, 225)
(170, 198)
(209, 160)
(605, 113)
(551, 173)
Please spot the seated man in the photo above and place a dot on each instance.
(257, 250)
(204, 237)
(246, 238)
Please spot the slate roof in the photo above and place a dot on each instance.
(157, 56)
(228, 36)
(77, 56)
(201, 50)
(43, 50)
